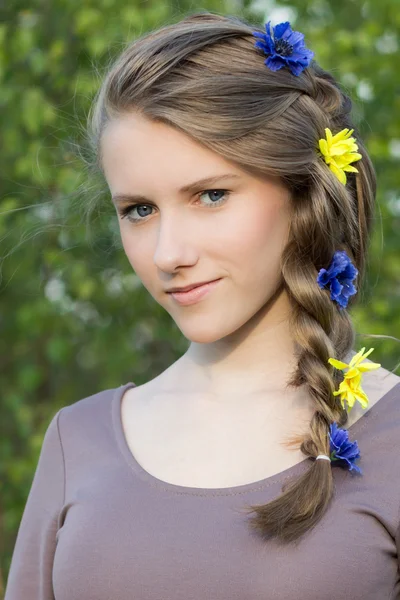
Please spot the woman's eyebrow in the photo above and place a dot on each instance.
(207, 181)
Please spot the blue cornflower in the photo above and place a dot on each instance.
(343, 451)
(286, 48)
(339, 275)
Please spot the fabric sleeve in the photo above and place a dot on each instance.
(30, 574)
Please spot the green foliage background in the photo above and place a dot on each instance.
(74, 317)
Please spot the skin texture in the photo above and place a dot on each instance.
(239, 333)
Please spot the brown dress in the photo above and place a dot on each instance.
(97, 526)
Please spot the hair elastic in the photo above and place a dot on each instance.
(323, 456)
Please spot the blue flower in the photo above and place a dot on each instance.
(286, 48)
(339, 275)
(343, 451)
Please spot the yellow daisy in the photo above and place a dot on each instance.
(350, 388)
(339, 151)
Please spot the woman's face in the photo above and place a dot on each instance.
(234, 228)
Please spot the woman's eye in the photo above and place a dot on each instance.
(127, 211)
(218, 202)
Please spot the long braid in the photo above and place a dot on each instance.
(326, 219)
(319, 330)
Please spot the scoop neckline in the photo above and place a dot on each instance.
(225, 491)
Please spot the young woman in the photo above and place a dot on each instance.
(230, 159)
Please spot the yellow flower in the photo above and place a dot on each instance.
(350, 388)
(339, 151)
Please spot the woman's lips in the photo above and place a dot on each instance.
(195, 294)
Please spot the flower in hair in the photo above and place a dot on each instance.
(342, 450)
(285, 48)
(339, 151)
(339, 276)
(350, 388)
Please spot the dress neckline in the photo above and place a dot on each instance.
(279, 477)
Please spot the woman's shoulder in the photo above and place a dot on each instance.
(378, 385)
(87, 410)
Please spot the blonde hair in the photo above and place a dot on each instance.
(204, 77)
